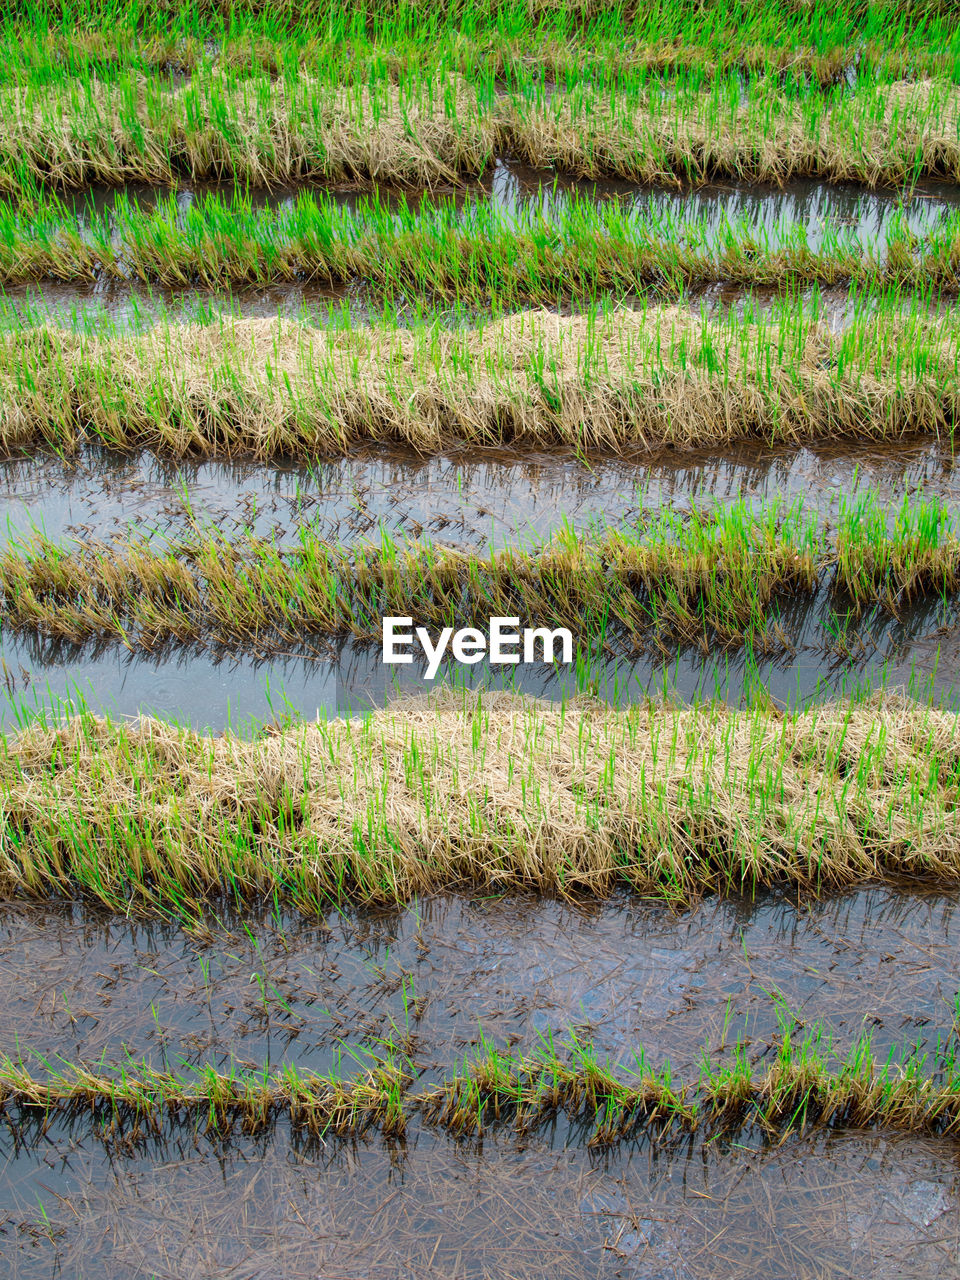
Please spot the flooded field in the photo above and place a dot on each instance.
(498, 498)
(444, 972)
(212, 690)
(262, 990)
(464, 500)
(637, 961)
(141, 256)
(433, 1210)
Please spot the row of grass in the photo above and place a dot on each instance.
(805, 1081)
(423, 129)
(490, 791)
(558, 37)
(620, 380)
(574, 248)
(714, 574)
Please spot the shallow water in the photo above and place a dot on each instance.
(821, 1207)
(239, 687)
(262, 990)
(818, 213)
(830, 1203)
(470, 500)
(118, 307)
(463, 499)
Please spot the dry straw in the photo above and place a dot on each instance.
(427, 128)
(617, 381)
(490, 790)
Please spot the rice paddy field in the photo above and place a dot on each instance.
(638, 322)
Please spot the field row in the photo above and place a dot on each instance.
(715, 574)
(579, 250)
(514, 38)
(426, 130)
(486, 790)
(806, 1081)
(608, 380)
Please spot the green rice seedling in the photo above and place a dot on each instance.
(429, 126)
(578, 249)
(807, 1083)
(554, 38)
(914, 555)
(720, 576)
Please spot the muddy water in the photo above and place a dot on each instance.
(135, 308)
(463, 499)
(830, 1203)
(120, 307)
(819, 1207)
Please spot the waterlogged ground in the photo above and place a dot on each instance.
(838, 1204)
(465, 498)
(263, 991)
(82, 1197)
(121, 308)
(828, 1203)
(214, 689)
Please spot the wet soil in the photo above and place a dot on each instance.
(828, 1203)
